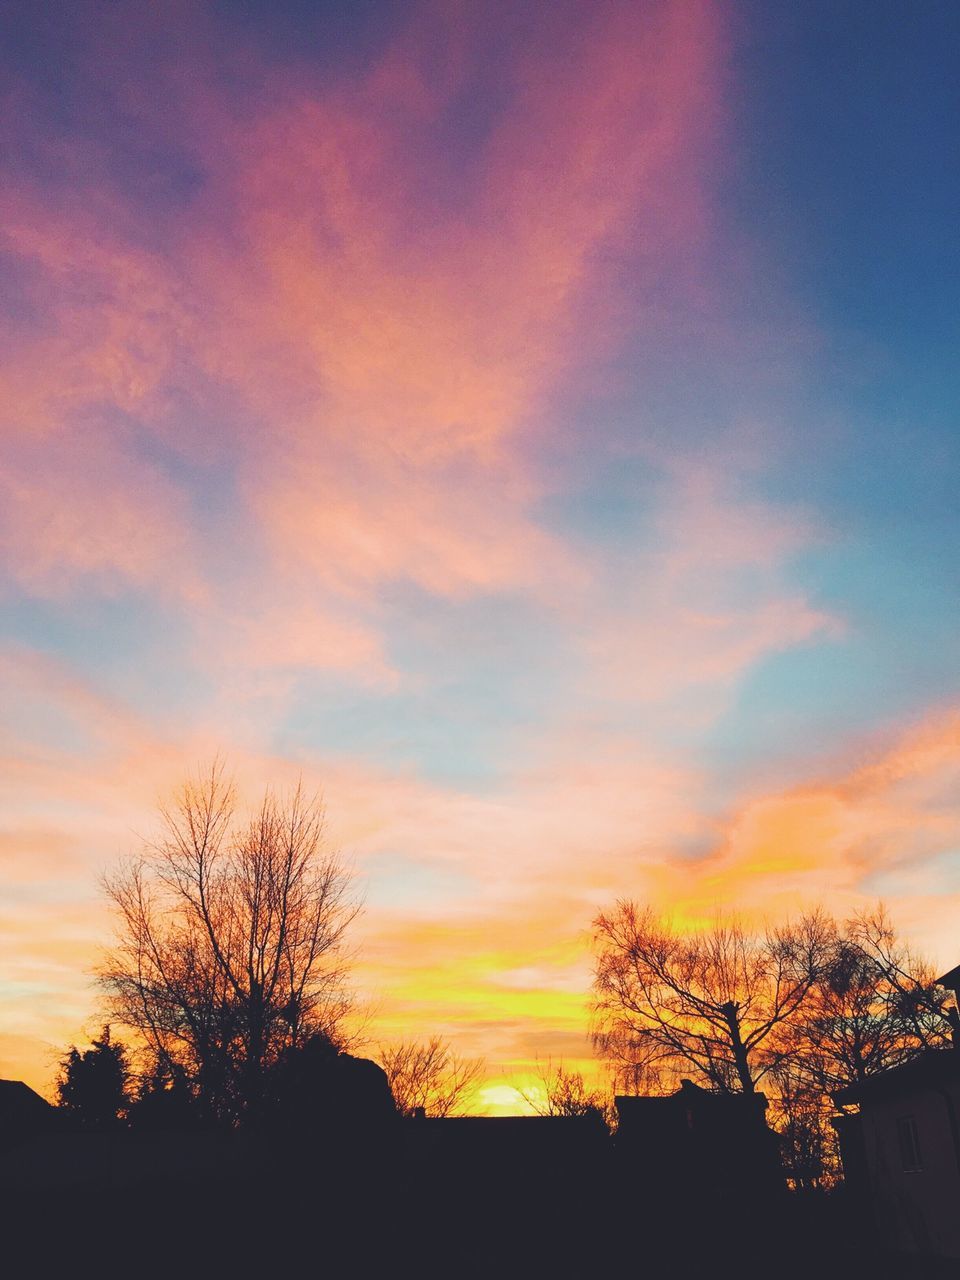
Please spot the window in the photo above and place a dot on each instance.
(909, 1144)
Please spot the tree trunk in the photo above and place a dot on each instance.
(731, 1012)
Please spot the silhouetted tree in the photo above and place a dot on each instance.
(908, 983)
(93, 1083)
(230, 940)
(874, 1006)
(636, 1066)
(164, 1102)
(318, 1089)
(429, 1075)
(561, 1092)
(713, 1003)
(801, 1112)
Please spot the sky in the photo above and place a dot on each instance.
(535, 425)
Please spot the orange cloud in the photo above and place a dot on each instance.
(841, 841)
(507, 966)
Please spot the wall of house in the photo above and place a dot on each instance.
(917, 1211)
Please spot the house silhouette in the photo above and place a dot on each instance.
(899, 1136)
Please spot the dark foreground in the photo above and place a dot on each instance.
(237, 1207)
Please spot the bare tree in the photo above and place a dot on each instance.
(801, 1114)
(562, 1092)
(230, 939)
(636, 1065)
(713, 1003)
(875, 1006)
(906, 985)
(428, 1075)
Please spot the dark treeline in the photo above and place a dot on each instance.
(233, 1117)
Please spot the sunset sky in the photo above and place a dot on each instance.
(534, 423)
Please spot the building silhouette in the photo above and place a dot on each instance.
(899, 1135)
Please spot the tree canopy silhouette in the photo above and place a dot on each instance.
(876, 1005)
(712, 1002)
(429, 1075)
(560, 1091)
(93, 1083)
(230, 940)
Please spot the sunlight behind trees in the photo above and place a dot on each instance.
(801, 1009)
(429, 1076)
(230, 939)
(711, 1003)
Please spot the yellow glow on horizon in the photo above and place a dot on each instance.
(498, 1099)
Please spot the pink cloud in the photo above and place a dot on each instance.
(704, 598)
(376, 337)
(81, 509)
